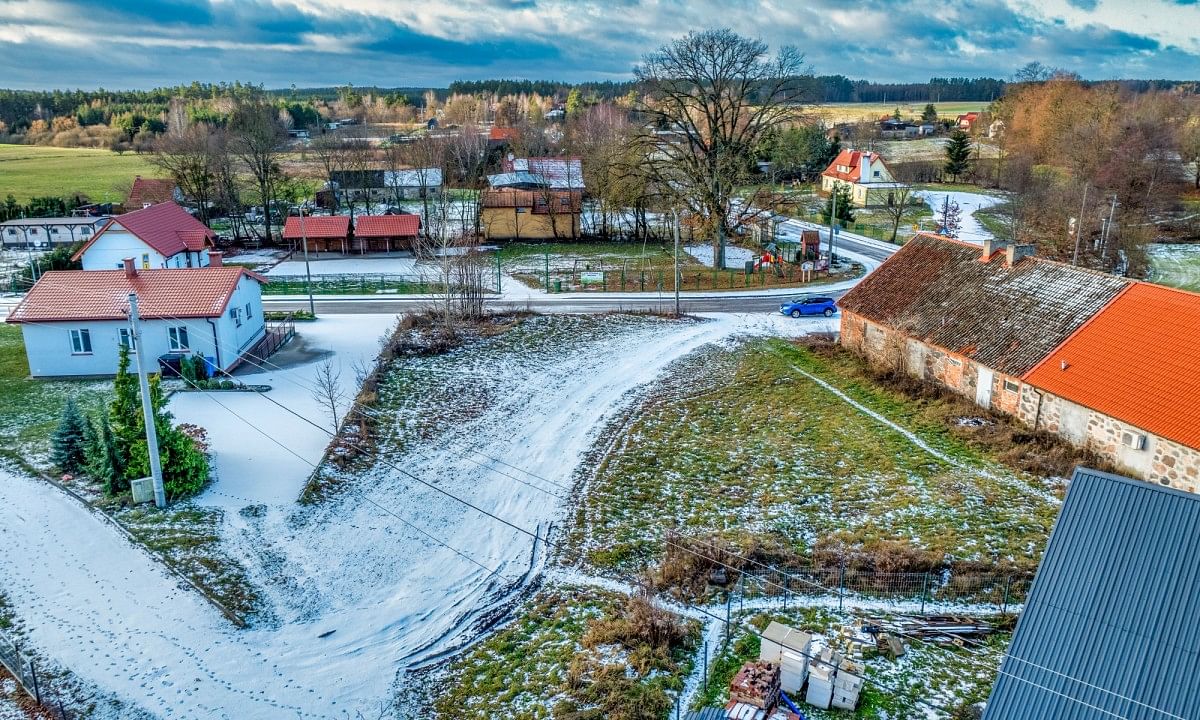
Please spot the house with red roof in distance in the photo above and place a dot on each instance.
(152, 191)
(385, 233)
(159, 236)
(967, 121)
(321, 233)
(74, 322)
(865, 173)
(498, 136)
(1106, 363)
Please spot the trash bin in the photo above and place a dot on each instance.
(749, 267)
(558, 286)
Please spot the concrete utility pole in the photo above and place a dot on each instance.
(1079, 226)
(832, 223)
(160, 493)
(312, 307)
(676, 214)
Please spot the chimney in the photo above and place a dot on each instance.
(1014, 253)
(864, 167)
(990, 247)
(215, 258)
(130, 268)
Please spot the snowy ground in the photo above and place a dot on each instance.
(1176, 264)
(367, 265)
(360, 565)
(735, 257)
(970, 230)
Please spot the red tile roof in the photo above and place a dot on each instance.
(1137, 360)
(853, 160)
(66, 295)
(406, 225)
(328, 227)
(503, 134)
(166, 227)
(149, 191)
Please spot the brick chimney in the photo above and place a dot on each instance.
(215, 258)
(990, 247)
(130, 268)
(1014, 253)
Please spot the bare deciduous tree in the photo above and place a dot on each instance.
(257, 140)
(189, 157)
(327, 390)
(714, 95)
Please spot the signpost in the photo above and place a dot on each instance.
(591, 278)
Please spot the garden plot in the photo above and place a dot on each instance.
(971, 229)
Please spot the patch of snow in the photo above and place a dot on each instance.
(735, 257)
(970, 229)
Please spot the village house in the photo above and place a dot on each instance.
(534, 199)
(159, 236)
(75, 321)
(385, 233)
(1102, 361)
(48, 232)
(414, 184)
(865, 173)
(1107, 629)
(151, 191)
(966, 121)
(320, 233)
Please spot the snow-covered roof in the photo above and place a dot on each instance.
(553, 172)
(416, 177)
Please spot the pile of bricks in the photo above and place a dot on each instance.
(757, 684)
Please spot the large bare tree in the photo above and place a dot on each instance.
(714, 95)
(190, 157)
(258, 141)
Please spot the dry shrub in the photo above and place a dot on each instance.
(641, 623)
(688, 564)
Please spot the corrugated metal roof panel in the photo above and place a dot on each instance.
(1110, 626)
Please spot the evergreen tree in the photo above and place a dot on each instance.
(929, 114)
(107, 465)
(845, 207)
(68, 448)
(958, 154)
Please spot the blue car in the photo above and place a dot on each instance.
(809, 306)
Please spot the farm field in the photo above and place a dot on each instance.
(28, 171)
(1176, 264)
(853, 112)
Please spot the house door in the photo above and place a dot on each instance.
(983, 387)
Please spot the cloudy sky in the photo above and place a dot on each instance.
(147, 43)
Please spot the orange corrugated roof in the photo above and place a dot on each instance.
(335, 227)
(62, 295)
(1137, 360)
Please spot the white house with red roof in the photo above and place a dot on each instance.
(159, 236)
(74, 322)
(865, 173)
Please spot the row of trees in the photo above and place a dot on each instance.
(112, 450)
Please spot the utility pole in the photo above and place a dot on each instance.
(160, 493)
(1079, 226)
(1108, 229)
(832, 223)
(312, 307)
(676, 214)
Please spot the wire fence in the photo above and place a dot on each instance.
(924, 591)
(39, 686)
(364, 284)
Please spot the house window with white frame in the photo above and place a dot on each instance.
(177, 339)
(236, 315)
(125, 340)
(81, 342)
(248, 313)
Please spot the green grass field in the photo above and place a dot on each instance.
(28, 171)
(1176, 264)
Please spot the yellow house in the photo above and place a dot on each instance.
(869, 179)
(544, 214)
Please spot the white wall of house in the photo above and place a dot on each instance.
(52, 351)
(111, 248)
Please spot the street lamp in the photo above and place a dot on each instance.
(312, 308)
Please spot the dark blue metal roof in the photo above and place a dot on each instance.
(1111, 628)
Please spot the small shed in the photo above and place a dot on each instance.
(327, 233)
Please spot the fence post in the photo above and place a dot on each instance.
(1004, 606)
(547, 271)
(728, 607)
(924, 591)
(741, 590)
(37, 693)
(704, 661)
(841, 582)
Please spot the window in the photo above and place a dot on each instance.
(125, 340)
(33, 231)
(81, 342)
(85, 231)
(955, 362)
(1011, 386)
(248, 313)
(12, 231)
(236, 315)
(177, 339)
(53, 231)
(145, 261)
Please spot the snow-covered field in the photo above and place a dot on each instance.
(360, 569)
(970, 230)
(356, 266)
(1176, 264)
